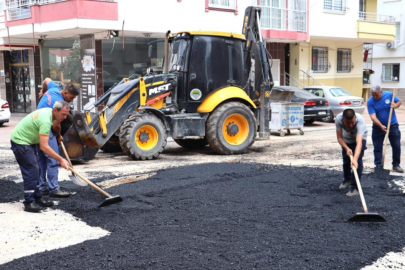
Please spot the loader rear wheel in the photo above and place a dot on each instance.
(143, 136)
(191, 144)
(112, 145)
(231, 128)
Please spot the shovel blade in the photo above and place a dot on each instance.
(367, 217)
(76, 180)
(111, 200)
(381, 173)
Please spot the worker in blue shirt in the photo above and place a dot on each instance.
(49, 94)
(379, 105)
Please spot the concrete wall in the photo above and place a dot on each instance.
(333, 25)
(138, 15)
(382, 55)
(153, 16)
(178, 16)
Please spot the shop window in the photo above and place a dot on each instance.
(132, 62)
(320, 62)
(61, 61)
(334, 6)
(222, 5)
(390, 73)
(344, 60)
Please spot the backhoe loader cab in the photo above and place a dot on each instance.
(214, 90)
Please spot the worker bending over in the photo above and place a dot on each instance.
(351, 132)
(31, 130)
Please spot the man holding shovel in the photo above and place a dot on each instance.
(51, 93)
(31, 130)
(351, 132)
(379, 106)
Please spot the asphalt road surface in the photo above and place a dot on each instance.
(277, 207)
(227, 216)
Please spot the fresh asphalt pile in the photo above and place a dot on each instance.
(227, 216)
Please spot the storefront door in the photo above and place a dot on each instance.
(20, 81)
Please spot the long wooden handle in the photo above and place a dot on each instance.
(66, 155)
(363, 201)
(90, 183)
(388, 128)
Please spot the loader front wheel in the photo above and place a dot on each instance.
(231, 128)
(143, 136)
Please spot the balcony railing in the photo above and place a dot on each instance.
(21, 9)
(373, 17)
(284, 19)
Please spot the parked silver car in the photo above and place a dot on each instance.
(339, 100)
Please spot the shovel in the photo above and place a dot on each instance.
(72, 177)
(366, 216)
(109, 200)
(380, 172)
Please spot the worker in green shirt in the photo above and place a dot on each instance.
(30, 131)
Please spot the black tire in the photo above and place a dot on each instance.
(217, 134)
(112, 145)
(192, 144)
(1, 124)
(148, 147)
(329, 119)
(309, 121)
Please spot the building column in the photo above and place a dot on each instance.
(2, 78)
(35, 76)
(87, 44)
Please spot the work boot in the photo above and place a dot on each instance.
(352, 192)
(59, 193)
(32, 207)
(44, 202)
(398, 169)
(345, 184)
(45, 192)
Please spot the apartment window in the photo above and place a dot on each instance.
(320, 61)
(273, 14)
(222, 5)
(390, 73)
(344, 60)
(367, 56)
(334, 5)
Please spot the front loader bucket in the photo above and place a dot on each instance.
(79, 141)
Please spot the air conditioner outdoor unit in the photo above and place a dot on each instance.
(391, 45)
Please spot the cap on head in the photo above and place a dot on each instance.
(375, 88)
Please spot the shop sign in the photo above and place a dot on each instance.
(88, 84)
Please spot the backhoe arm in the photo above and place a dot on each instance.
(257, 55)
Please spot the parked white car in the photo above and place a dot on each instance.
(4, 112)
(339, 100)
